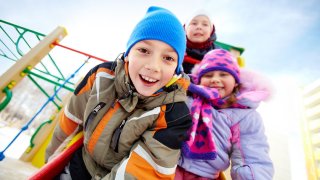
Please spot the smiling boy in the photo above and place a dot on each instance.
(132, 111)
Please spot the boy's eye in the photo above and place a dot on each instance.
(143, 50)
(168, 58)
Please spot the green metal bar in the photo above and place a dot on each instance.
(8, 58)
(37, 131)
(46, 79)
(54, 63)
(52, 60)
(4, 54)
(14, 25)
(6, 101)
(7, 35)
(55, 89)
(11, 41)
(17, 43)
(42, 90)
(22, 37)
(56, 77)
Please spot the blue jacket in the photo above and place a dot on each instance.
(239, 136)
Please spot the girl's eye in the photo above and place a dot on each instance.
(207, 75)
(168, 58)
(224, 74)
(143, 50)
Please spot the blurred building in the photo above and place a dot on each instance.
(311, 129)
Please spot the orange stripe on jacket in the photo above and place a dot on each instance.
(106, 70)
(100, 127)
(66, 124)
(161, 122)
(184, 83)
(91, 79)
(141, 169)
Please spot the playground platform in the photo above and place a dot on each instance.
(12, 169)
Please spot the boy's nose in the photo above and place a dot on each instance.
(153, 65)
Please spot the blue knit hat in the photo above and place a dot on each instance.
(160, 24)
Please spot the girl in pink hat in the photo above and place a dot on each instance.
(226, 126)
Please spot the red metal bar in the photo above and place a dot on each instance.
(80, 52)
(56, 165)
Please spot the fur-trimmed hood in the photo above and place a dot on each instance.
(255, 88)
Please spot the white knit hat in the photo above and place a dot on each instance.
(199, 12)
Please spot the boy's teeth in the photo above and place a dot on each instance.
(148, 79)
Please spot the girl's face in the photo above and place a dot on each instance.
(152, 64)
(221, 80)
(199, 29)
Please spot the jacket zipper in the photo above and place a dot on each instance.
(116, 136)
(94, 113)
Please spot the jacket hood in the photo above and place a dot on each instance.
(255, 88)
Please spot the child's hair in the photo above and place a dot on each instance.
(232, 99)
(160, 24)
(222, 60)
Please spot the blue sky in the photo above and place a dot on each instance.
(280, 37)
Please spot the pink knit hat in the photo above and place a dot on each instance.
(219, 60)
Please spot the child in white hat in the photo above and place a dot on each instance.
(201, 37)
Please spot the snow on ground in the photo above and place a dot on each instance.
(11, 167)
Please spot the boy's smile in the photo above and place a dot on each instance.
(148, 80)
(152, 64)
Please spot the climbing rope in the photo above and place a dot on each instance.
(2, 156)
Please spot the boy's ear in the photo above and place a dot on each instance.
(126, 59)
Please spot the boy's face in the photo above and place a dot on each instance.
(152, 64)
(199, 29)
(221, 80)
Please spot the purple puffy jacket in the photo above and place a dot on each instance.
(239, 136)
